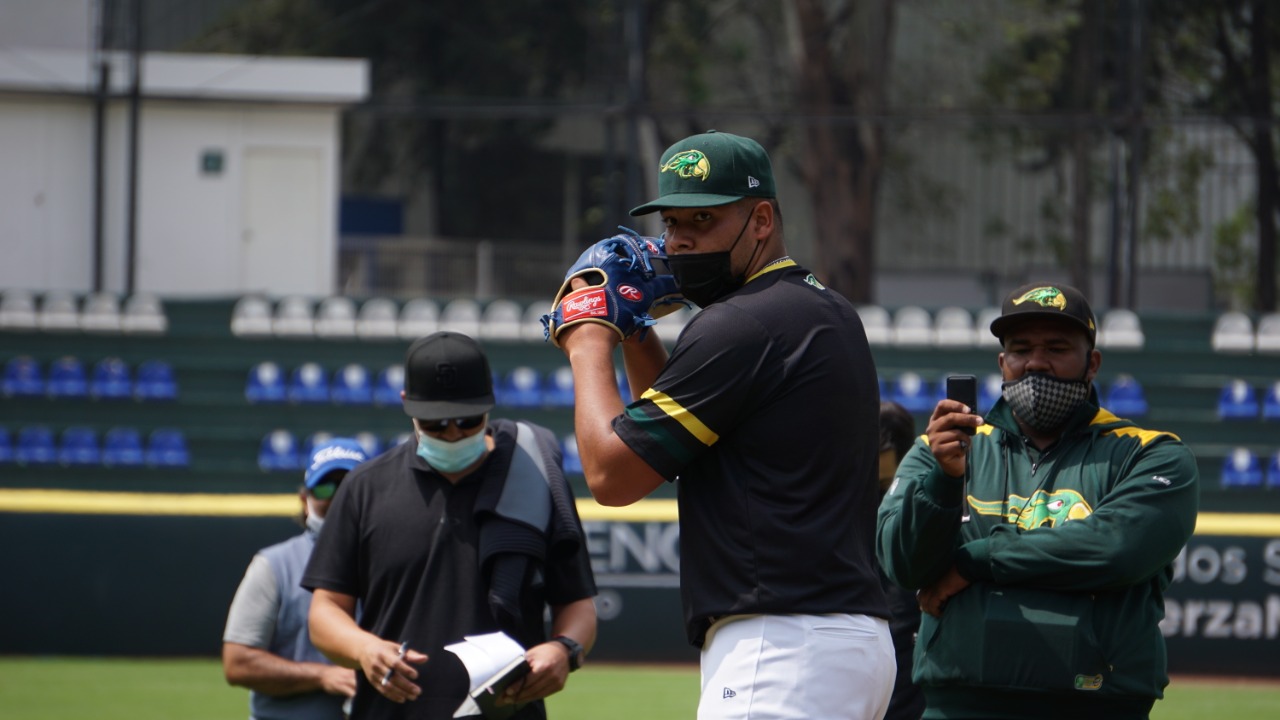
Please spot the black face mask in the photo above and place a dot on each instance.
(704, 278)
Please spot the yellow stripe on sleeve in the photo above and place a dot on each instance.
(676, 412)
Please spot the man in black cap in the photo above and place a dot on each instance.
(766, 414)
(1042, 584)
(468, 530)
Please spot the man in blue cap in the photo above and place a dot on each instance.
(266, 646)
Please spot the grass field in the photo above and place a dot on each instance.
(193, 689)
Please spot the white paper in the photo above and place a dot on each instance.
(483, 656)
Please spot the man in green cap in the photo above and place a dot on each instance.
(766, 412)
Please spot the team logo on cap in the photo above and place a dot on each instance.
(631, 293)
(688, 165)
(1044, 297)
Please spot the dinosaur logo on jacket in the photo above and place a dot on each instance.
(1042, 508)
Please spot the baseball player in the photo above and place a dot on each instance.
(765, 414)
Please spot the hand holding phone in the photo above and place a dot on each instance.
(964, 388)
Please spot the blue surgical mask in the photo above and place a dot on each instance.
(451, 457)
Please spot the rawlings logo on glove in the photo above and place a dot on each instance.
(625, 290)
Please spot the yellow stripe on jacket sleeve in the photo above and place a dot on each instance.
(677, 412)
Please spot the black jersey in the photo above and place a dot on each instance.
(403, 540)
(767, 415)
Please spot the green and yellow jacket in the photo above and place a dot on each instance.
(1068, 552)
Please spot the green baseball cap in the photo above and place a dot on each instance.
(711, 169)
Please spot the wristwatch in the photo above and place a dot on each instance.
(576, 654)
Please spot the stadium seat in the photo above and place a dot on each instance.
(18, 310)
(1241, 469)
(531, 327)
(877, 324)
(59, 311)
(279, 452)
(6, 446)
(308, 384)
(912, 327)
(144, 314)
(390, 383)
(336, 318)
(79, 446)
(67, 378)
(1232, 333)
(377, 319)
(370, 442)
(461, 315)
(155, 380)
(953, 328)
(982, 336)
(418, 317)
(670, 326)
(1273, 471)
(22, 377)
(521, 388)
(1271, 402)
(167, 447)
(502, 320)
(1267, 337)
(122, 446)
(351, 385)
(265, 384)
(990, 390)
(913, 393)
(1238, 401)
(1121, 329)
(251, 317)
(624, 387)
(101, 313)
(111, 380)
(572, 461)
(557, 390)
(1126, 398)
(35, 446)
(294, 318)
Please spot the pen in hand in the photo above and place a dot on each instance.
(386, 679)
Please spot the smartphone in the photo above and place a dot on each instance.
(964, 388)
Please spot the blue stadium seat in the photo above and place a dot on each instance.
(6, 446)
(1126, 398)
(1238, 401)
(111, 380)
(370, 442)
(155, 381)
(79, 446)
(624, 387)
(989, 391)
(572, 461)
(279, 452)
(1273, 471)
(1241, 469)
(265, 384)
(23, 377)
(67, 378)
(35, 446)
(913, 393)
(351, 386)
(521, 388)
(308, 384)
(122, 446)
(1271, 402)
(167, 447)
(390, 382)
(557, 389)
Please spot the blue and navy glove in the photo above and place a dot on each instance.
(629, 287)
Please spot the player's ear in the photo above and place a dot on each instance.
(762, 219)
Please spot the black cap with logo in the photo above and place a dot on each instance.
(1043, 300)
(446, 375)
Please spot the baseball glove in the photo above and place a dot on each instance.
(625, 291)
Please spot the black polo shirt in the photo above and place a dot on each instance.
(767, 414)
(403, 540)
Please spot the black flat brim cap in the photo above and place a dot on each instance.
(446, 375)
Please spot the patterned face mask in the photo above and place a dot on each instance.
(1043, 401)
